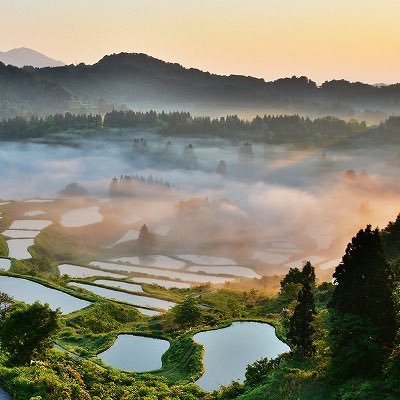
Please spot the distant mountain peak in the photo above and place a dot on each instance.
(24, 56)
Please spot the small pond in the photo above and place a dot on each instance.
(135, 353)
(228, 351)
(29, 292)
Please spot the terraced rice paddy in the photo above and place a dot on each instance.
(76, 271)
(135, 353)
(141, 301)
(207, 260)
(225, 270)
(188, 277)
(18, 248)
(157, 261)
(81, 217)
(228, 351)
(29, 292)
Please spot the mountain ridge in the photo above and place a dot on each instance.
(23, 56)
(142, 82)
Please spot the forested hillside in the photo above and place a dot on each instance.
(138, 81)
(22, 93)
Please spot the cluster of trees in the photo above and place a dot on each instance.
(73, 189)
(143, 80)
(125, 185)
(22, 93)
(275, 128)
(268, 128)
(19, 127)
(363, 321)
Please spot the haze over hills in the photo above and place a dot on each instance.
(141, 82)
(22, 93)
(24, 56)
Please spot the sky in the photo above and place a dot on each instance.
(357, 40)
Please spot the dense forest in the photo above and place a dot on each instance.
(141, 82)
(22, 93)
(268, 129)
(139, 79)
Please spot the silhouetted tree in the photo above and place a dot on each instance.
(144, 240)
(391, 239)
(221, 168)
(363, 321)
(301, 330)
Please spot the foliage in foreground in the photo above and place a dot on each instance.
(65, 378)
(27, 331)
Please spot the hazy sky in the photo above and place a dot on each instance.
(355, 40)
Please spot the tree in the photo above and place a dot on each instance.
(294, 279)
(293, 276)
(257, 372)
(5, 303)
(308, 274)
(363, 320)
(187, 314)
(391, 239)
(27, 330)
(222, 168)
(144, 240)
(301, 330)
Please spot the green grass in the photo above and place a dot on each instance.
(183, 361)
(3, 247)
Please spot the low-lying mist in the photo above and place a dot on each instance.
(268, 205)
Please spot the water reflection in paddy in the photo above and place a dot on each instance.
(29, 292)
(228, 351)
(135, 353)
(143, 301)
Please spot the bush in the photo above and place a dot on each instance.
(257, 372)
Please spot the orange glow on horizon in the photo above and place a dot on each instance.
(268, 39)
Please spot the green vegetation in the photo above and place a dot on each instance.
(23, 94)
(343, 335)
(187, 314)
(301, 331)
(303, 131)
(19, 127)
(27, 330)
(363, 326)
(145, 240)
(3, 247)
